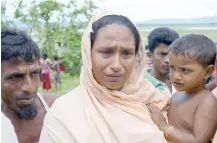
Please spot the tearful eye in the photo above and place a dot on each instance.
(107, 52)
(126, 53)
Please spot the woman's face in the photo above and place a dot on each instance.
(113, 56)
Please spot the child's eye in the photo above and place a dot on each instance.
(186, 70)
(163, 54)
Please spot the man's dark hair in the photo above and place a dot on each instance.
(45, 55)
(161, 35)
(195, 46)
(17, 44)
(56, 58)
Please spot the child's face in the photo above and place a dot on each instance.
(186, 73)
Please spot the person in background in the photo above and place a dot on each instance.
(45, 72)
(56, 72)
(158, 42)
(8, 134)
(192, 115)
(20, 70)
(148, 57)
(59, 49)
(62, 65)
(214, 83)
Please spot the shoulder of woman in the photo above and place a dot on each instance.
(70, 101)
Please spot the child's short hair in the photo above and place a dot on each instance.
(161, 35)
(195, 46)
(55, 57)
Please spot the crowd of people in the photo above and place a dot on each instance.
(51, 71)
(128, 93)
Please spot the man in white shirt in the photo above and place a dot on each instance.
(58, 49)
(8, 134)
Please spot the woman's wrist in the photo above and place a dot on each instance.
(163, 127)
(168, 129)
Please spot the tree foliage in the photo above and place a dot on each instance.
(51, 21)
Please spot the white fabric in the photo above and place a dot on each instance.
(43, 102)
(8, 134)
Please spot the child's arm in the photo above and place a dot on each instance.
(204, 126)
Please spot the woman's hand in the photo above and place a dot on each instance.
(157, 117)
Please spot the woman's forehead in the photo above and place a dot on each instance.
(115, 32)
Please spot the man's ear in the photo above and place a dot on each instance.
(209, 71)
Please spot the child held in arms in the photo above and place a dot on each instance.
(192, 115)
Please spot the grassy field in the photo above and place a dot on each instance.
(68, 83)
(211, 33)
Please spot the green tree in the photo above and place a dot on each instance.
(5, 21)
(50, 22)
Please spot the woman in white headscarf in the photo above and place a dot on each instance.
(109, 105)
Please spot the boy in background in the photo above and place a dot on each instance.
(158, 42)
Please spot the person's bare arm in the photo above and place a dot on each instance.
(204, 126)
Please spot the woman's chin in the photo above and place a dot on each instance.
(113, 86)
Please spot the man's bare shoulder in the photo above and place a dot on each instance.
(49, 98)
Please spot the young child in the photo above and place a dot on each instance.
(56, 73)
(192, 115)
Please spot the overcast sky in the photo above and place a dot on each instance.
(138, 10)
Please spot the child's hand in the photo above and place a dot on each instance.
(157, 116)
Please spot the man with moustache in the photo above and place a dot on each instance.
(20, 70)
